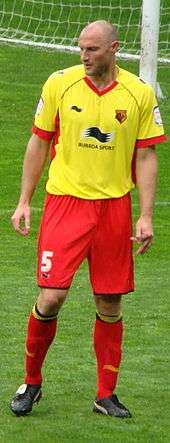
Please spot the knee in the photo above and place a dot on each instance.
(50, 300)
(108, 304)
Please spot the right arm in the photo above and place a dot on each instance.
(34, 161)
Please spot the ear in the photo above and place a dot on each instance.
(115, 46)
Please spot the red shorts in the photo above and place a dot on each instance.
(73, 229)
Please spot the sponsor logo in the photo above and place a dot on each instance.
(94, 146)
(40, 106)
(121, 115)
(94, 132)
(75, 108)
(157, 116)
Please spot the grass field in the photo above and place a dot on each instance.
(64, 414)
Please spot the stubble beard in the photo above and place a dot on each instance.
(100, 72)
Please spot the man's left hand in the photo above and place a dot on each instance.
(144, 234)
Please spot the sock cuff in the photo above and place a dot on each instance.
(109, 318)
(39, 316)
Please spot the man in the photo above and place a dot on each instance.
(104, 123)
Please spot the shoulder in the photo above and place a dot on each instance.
(60, 81)
(66, 77)
(141, 91)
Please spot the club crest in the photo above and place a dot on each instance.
(121, 115)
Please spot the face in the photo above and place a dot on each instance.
(96, 53)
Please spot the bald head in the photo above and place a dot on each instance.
(98, 46)
(102, 28)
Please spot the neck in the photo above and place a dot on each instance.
(105, 80)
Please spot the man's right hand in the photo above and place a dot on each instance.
(21, 219)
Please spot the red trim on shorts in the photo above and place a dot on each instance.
(45, 135)
(97, 294)
(150, 141)
(100, 91)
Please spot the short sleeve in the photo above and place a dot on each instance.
(150, 123)
(47, 107)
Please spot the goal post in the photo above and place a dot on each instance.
(149, 42)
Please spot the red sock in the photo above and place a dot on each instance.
(107, 345)
(39, 338)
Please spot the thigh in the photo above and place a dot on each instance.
(110, 258)
(65, 234)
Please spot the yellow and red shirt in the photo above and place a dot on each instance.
(95, 131)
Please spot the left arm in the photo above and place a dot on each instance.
(146, 177)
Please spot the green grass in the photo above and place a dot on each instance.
(64, 414)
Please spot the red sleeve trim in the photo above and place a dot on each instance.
(45, 135)
(150, 141)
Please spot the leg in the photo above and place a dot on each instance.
(108, 333)
(40, 334)
(108, 304)
(111, 274)
(50, 300)
(41, 331)
(64, 237)
(66, 229)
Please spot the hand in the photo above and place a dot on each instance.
(21, 219)
(144, 234)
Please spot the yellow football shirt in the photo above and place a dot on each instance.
(96, 132)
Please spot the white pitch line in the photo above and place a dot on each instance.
(37, 209)
(156, 203)
(19, 84)
(8, 211)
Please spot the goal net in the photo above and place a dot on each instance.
(57, 23)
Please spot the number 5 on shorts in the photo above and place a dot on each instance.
(46, 262)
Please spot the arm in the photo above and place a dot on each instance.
(34, 161)
(146, 176)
